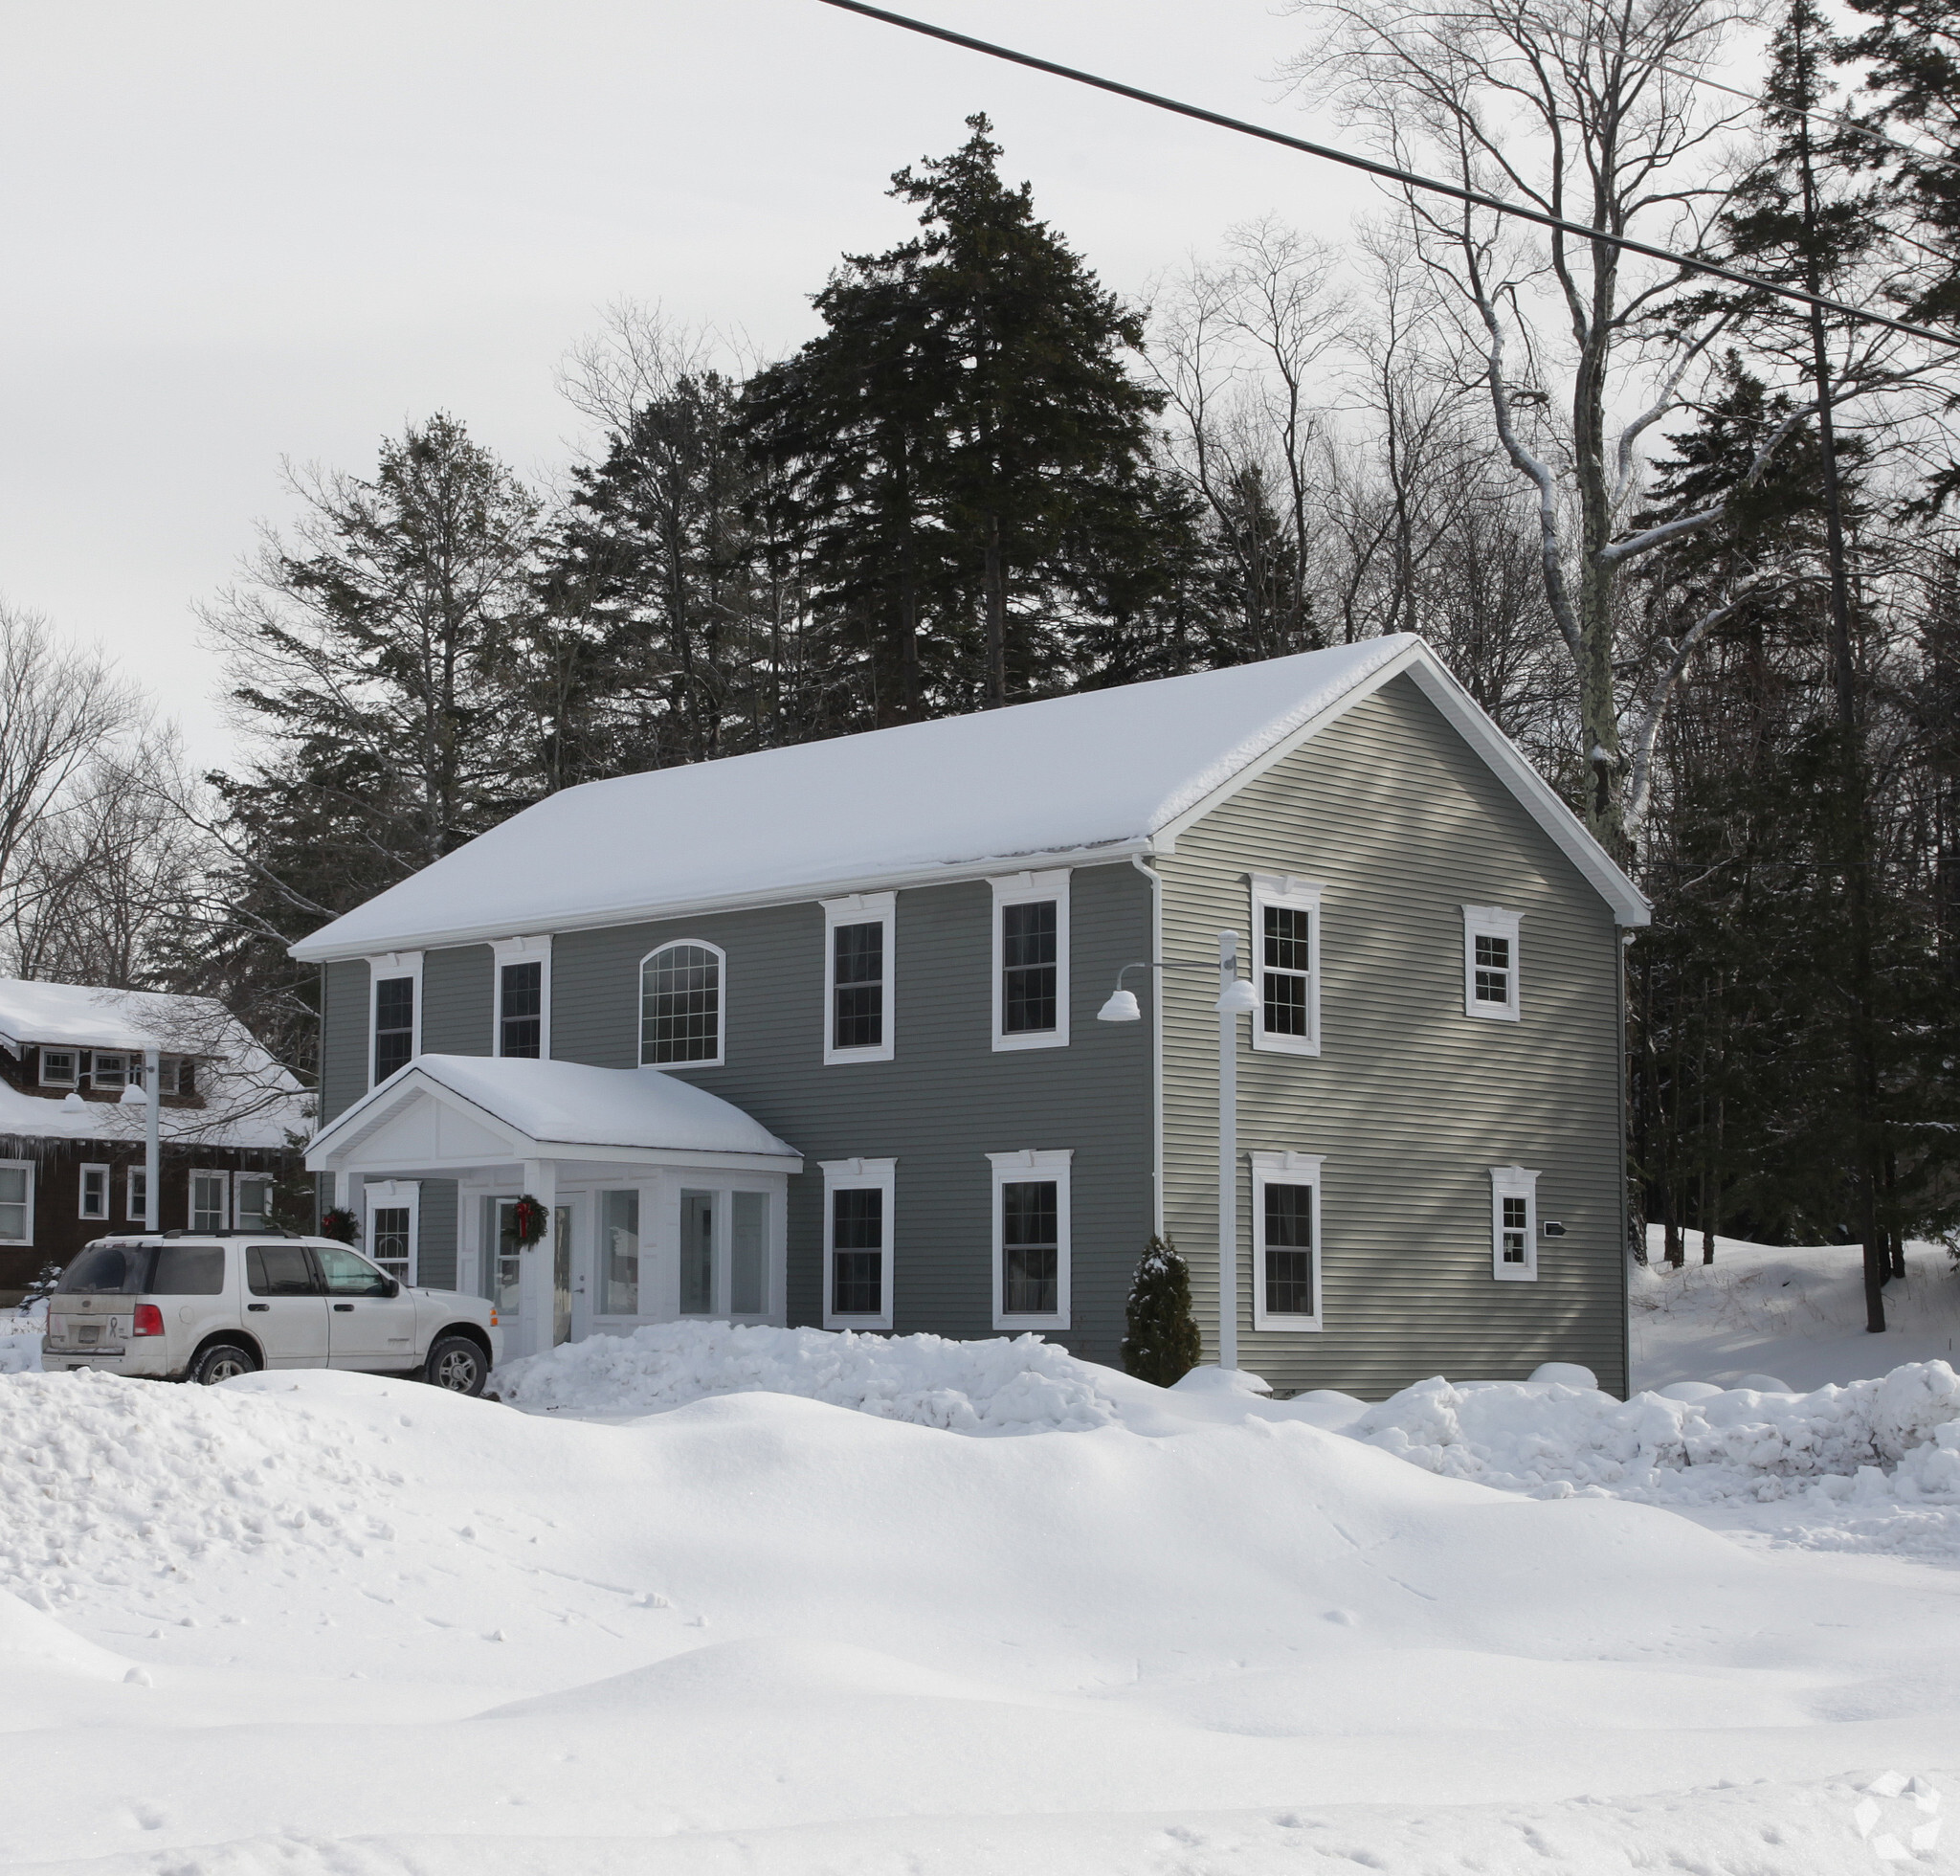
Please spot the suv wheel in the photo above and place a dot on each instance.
(222, 1361)
(457, 1364)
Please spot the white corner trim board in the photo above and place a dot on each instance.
(1285, 1168)
(879, 908)
(1288, 1022)
(1492, 964)
(844, 1176)
(1514, 1225)
(1029, 1166)
(1011, 889)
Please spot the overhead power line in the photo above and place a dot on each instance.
(1409, 178)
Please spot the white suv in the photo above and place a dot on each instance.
(205, 1305)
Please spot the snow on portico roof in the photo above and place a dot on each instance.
(1099, 773)
(569, 1104)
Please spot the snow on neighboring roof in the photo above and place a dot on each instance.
(248, 1099)
(1103, 772)
(81, 1016)
(568, 1103)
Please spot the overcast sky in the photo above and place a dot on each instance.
(241, 233)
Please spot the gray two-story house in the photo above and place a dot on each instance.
(836, 1035)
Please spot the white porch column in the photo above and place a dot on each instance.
(540, 1181)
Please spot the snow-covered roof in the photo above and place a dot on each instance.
(80, 1017)
(1099, 773)
(248, 1099)
(553, 1106)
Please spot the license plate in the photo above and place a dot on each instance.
(90, 1332)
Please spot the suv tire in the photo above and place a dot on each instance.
(222, 1361)
(456, 1365)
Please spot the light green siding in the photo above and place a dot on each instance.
(1410, 1101)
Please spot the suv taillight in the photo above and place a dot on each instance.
(149, 1320)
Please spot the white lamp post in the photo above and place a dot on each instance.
(1236, 998)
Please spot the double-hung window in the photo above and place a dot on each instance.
(857, 1197)
(523, 997)
(1031, 960)
(94, 1197)
(1286, 952)
(210, 1201)
(681, 1012)
(1490, 963)
(1031, 1239)
(858, 978)
(395, 1011)
(1513, 1224)
(16, 1201)
(110, 1069)
(136, 1194)
(60, 1068)
(1286, 1240)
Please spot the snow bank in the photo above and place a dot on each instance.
(1018, 1385)
(1714, 1445)
(20, 1342)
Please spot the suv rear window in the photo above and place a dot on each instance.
(107, 1271)
(143, 1270)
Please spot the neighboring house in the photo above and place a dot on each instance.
(811, 1036)
(73, 1113)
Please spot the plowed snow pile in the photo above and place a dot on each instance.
(1018, 1385)
(1709, 1448)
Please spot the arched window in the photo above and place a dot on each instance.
(680, 1005)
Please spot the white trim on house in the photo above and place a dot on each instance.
(1513, 1182)
(1285, 1169)
(134, 1210)
(859, 1176)
(533, 949)
(261, 1217)
(1031, 888)
(1495, 923)
(1282, 889)
(860, 908)
(70, 1080)
(224, 1180)
(390, 967)
(395, 1195)
(721, 1054)
(26, 1169)
(102, 1192)
(1029, 1166)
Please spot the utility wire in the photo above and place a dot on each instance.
(1477, 198)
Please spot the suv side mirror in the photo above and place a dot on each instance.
(392, 1288)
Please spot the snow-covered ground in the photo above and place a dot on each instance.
(1797, 1315)
(933, 1607)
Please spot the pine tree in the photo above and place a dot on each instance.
(1160, 1342)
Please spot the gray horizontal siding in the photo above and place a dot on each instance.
(945, 1101)
(457, 1001)
(344, 1037)
(1410, 1101)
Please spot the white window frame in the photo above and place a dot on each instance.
(196, 1173)
(264, 1178)
(719, 1057)
(388, 966)
(1285, 1169)
(860, 908)
(133, 1211)
(129, 1075)
(26, 1166)
(855, 1175)
(1297, 895)
(1491, 922)
(1513, 1182)
(1023, 890)
(1015, 1169)
(535, 950)
(107, 1214)
(382, 1194)
(74, 1079)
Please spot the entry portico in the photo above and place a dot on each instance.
(661, 1199)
